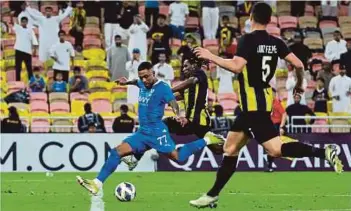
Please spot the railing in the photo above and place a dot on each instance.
(291, 128)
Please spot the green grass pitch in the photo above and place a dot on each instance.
(171, 191)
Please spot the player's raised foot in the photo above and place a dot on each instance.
(205, 201)
(130, 161)
(212, 138)
(90, 185)
(331, 156)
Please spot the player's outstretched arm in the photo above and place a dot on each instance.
(234, 65)
(299, 68)
(123, 81)
(185, 84)
(175, 107)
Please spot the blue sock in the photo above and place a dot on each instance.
(110, 165)
(188, 149)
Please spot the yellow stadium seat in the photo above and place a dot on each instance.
(96, 64)
(341, 121)
(77, 107)
(61, 122)
(97, 75)
(2, 64)
(99, 96)
(9, 53)
(175, 63)
(94, 54)
(215, 86)
(80, 63)
(4, 108)
(3, 76)
(48, 64)
(330, 106)
(9, 63)
(118, 96)
(98, 86)
(4, 87)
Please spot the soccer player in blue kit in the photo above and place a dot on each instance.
(152, 133)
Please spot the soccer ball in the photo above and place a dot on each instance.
(125, 191)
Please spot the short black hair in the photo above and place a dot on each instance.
(145, 65)
(321, 79)
(76, 69)
(61, 32)
(225, 17)
(87, 108)
(261, 13)
(24, 18)
(162, 16)
(118, 36)
(218, 109)
(337, 31)
(124, 108)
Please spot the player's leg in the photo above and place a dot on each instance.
(235, 141)
(270, 160)
(132, 144)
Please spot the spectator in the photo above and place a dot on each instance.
(78, 20)
(132, 68)
(137, 37)
(290, 85)
(164, 71)
(210, 18)
(320, 97)
(126, 19)
(36, 82)
(335, 48)
(220, 124)
(78, 82)
(345, 60)
(90, 118)
(225, 34)
(178, 12)
(244, 8)
(109, 9)
(48, 28)
(340, 90)
(162, 28)
(185, 51)
(301, 50)
(12, 124)
(326, 74)
(62, 52)
(194, 7)
(123, 123)
(59, 85)
(298, 109)
(23, 48)
(94, 9)
(91, 127)
(329, 8)
(278, 114)
(30, 23)
(298, 8)
(225, 77)
(117, 57)
(151, 9)
(157, 47)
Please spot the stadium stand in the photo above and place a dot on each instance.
(57, 112)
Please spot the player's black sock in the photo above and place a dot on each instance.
(299, 150)
(138, 156)
(270, 160)
(225, 171)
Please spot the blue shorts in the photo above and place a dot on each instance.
(141, 142)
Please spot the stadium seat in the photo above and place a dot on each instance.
(322, 122)
(108, 124)
(307, 22)
(207, 43)
(7, 43)
(97, 75)
(39, 106)
(61, 126)
(58, 97)
(313, 43)
(227, 96)
(59, 107)
(92, 43)
(344, 21)
(192, 22)
(21, 107)
(100, 86)
(79, 96)
(11, 75)
(226, 10)
(228, 106)
(99, 96)
(283, 8)
(275, 31)
(15, 86)
(96, 64)
(92, 31)
(274, 21)
(328, 24)
(287, 22)
(77, 107)
(94, 54)
(38, 96)
(101, 105)
(346, 32)
(91, 20)
(40, 123)
(233, 21)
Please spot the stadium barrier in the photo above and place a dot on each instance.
(62, 152)
(87, 152)
(295, 128)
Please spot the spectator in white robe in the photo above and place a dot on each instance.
(290, 85)
(137, 37)
(48, 28)
(340, 91)
(132, 68)
(164, 71)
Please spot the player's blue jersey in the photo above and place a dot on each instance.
(152, 106)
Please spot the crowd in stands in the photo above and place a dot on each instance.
(74, 51)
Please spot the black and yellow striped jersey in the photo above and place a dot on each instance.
(261, 51)
(195, 100)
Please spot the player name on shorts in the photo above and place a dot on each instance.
(267, 49)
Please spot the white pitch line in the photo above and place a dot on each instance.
(322, 210)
